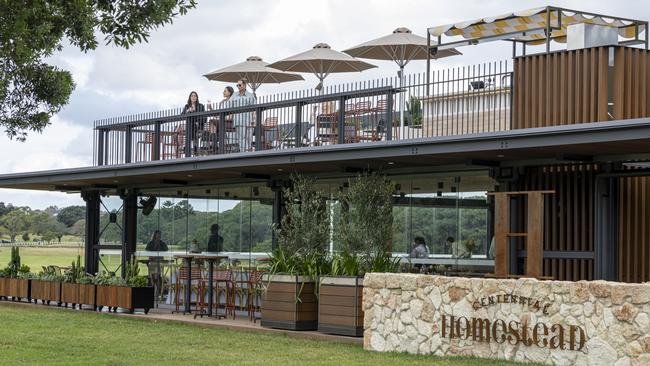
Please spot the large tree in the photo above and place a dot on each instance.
(15, 222)
(71, 214)
(31, 90)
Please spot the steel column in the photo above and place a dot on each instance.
(341, 121)
(298, 142)
(100, 147)
(91, 252)
(129, 225)
(606, 229)
(258, 129)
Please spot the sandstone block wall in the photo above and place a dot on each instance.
(551, 322)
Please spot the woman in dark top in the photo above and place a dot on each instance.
(215, 242)
(197, 123)
(156, 244)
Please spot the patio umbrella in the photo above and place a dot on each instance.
(401, 46)
(254, 71)
(321, 61)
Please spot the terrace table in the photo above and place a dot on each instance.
(188, 286)
(211, 259)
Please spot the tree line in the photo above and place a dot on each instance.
(52, 223)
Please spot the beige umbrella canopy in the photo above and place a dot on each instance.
(254, 71)
(321, 61)
(401, 46)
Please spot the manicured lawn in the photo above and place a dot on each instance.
(42, 336)
(36, 258)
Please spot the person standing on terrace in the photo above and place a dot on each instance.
(243, 122)
(197, 124)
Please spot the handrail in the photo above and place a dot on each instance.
(256, 107)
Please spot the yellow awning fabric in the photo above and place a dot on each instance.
(533, 22)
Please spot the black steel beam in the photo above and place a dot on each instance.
(557, 137)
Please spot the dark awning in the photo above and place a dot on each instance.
(626, 140)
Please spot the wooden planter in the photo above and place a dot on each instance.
(340, 309)
(16, 288)
(46, 291)
(289, 302)
(3, 287)
(78, 294)
(130, 298)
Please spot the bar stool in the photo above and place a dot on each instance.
(240, 289)
(222, 283)
(195, 280)
(255, 290)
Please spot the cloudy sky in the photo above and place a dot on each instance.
(159, 74)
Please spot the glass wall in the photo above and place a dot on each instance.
(449, 215)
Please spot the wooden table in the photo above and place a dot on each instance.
(211, 259)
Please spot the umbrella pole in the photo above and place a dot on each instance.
(401, 98)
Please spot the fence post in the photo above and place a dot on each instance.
(189, 133)
(258, 129)
(389, 114)
(128, 144)
(156, 142)
(100, 147)
(221, 139)
(341, 124)
(298, 129)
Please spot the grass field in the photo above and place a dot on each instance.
(36, 258)
(42, 336)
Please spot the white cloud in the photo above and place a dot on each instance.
(159, 74)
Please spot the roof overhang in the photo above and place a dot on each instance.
(614, 141)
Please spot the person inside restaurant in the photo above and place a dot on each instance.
(154, 264)
(215, 241)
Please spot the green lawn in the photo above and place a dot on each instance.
(41, 336)
(36, 258)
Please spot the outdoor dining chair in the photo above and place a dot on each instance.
(221, 286)
(254, 295)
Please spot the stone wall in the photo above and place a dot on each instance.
(551, 322)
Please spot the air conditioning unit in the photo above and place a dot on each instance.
(583, 35)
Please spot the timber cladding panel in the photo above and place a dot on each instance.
(340, 308)
(634, 229)
(568, 217)
(569, 87)
(290, 305)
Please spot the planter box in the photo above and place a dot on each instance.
(46, 291)
(78, 294)
(280, 305)
(340, 306)
(15, 287)
(130, 298)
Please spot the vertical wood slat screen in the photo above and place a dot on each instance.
(634, 229)
(571, 87)
(568, 216)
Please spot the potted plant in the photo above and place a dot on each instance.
(364, 237)
(77, 287)
(131, 292)
(11, 277)
(290, 299)
(46, 286)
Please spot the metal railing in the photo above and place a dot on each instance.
(465, 100)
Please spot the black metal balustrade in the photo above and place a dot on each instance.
(465, 100)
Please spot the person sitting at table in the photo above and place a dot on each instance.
(156, 244)
(243, 121)
(463, 249)
(215, 241)
(194, 246)
(420, 250)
